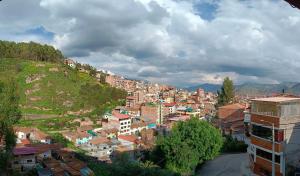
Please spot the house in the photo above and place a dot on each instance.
(283, 115)
(24, 159)
(65, 163)
(100, 147)
(231, 120)
(77, 138)
(109, 133)
(32, 134)
(70, 63)
(171, 107)
(138, 126)
(124, 122)
(128, 144)
(44, 151)
(40, 136)
(130, 101)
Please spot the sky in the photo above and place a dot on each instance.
(176, 42)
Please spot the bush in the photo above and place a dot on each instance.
(233, 145)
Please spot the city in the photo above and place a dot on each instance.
(146, 88)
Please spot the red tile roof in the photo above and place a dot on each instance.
(130, 138)
(169, 104)
(99, 140)
(233, 106)
(120, 116)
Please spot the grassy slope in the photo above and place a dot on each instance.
(52, 91)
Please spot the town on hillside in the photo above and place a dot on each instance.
(149, 88)
(152, 110)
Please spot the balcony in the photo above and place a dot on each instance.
(265, 120)
(264, 143)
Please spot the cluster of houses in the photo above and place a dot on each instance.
(36, 150)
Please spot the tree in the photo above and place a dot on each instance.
(9, 115)
(227, 92)
(189, 144)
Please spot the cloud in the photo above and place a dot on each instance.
(179, 42)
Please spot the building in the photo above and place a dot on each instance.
(124, 122)
(70, 63)
(171, 107)
(100, 147)
(77, 138)
(284, 114)
(231, 120)
(24, 159)
(32, 134)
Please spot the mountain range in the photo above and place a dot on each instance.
(254, 89)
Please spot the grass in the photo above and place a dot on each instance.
(55, 93)
(51, 125)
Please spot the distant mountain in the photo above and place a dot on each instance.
(253, 89)
(206, 87)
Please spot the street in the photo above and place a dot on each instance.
(227, 165)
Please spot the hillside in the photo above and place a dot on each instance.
(51, 89)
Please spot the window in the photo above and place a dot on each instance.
(16, 162)
(29, 161)
(267, 155)
(262, 132)
(266, 133)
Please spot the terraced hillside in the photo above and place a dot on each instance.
(53, 89)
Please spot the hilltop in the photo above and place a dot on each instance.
(49, 88)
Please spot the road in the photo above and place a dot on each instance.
(227, 165)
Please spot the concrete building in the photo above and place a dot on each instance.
(284, 114)
(124, 122)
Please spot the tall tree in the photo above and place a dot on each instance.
(189, 144)
(9, 115)
(227, 92)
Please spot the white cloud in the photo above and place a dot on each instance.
(166, 40)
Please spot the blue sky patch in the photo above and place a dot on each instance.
(206, 10)
(41, 32)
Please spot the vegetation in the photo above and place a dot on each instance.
(52, 124)
(55, 89)
(227, 93)
(189, 144)
(233, 145)
(33, 51)
(123, 166)
(9, 115)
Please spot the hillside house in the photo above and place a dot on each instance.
(77, 138)
(24, 159)
(231, 120)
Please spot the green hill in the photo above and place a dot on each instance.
(55, 89)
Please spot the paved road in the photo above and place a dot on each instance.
(227, 165)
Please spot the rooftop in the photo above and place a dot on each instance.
(121, 116)
(99, 140)
(233, 106)
(24, 151)
(276, 99)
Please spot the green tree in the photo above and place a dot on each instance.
(227, 92)
(9, 115)
(189, 144)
